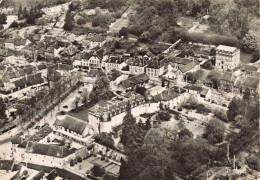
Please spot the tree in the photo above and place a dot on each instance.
(214, 77)
(105, 139)
(20, 13)
(235, 108)
(214, 131)
(68, 21)
(185, 132)
(2, 109)
(123, 32)
(247, 94)
(163, 116)
(256, 56)
(249, 43)
(128, 127)
(96, 22)
(97, 170)
(30, 19)
(3, 18)
(81, 21)
(1, 27)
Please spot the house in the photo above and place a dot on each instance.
(200, 92)
(113, 62)
(227, 81)
(132, 82)
(188, 68)
(107, 114)
(95, 60)
(249, 69)
(74, 128)
(97, 40)
(9, 43)
(247, 82)
(169, 98)
(81, 60)
(3, 53)
(154, 69)
(138, 65)
(227, 57)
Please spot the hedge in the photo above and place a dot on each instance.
(210, 39)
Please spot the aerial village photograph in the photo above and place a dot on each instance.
(129, 89)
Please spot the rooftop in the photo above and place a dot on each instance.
(73, 124)
(226, 48)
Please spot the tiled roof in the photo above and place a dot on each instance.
(34, 79)
(251, 82)
(226, 48)
(115, 59)
(139, 62)
(20, 82)
(154, 65)
(134, 80)
(194, 88)
(100, 53)
(98, 38)
(181, 61)
(19, 42)
(246, 67)
(2, 41)
(3, 52)
(39, 175)
(165, 95)
(188, 67)
(65, 67)
(72, 124)
(228, 76)
(48, 150)
(113, 75)
(95, 73)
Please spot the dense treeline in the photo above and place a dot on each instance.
(210, 39)
(29, 3)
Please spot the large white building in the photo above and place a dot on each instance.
(227, 57)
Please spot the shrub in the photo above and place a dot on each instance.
(103, 158)
(163, 116)
(78, 159)
(179, 108)
(14, 24)
(220, 114)
(81, 21)
(97, 170)
(96, 22)
(71, 163)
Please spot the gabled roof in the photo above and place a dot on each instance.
(73, 124)
(100, 53)
(154, 64)
(228, 76)
(48, 150)
(3, 52)
(139, 62)
(39, 175)
(188, 67)
(65, 67)
(165, 95)
(194, 88)
(2, 41)
(19, 42)
(134, 80)
(251, 82)
(246, 67)
(179, 60)
(52, 175)
(98, 38)
(95, 73)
